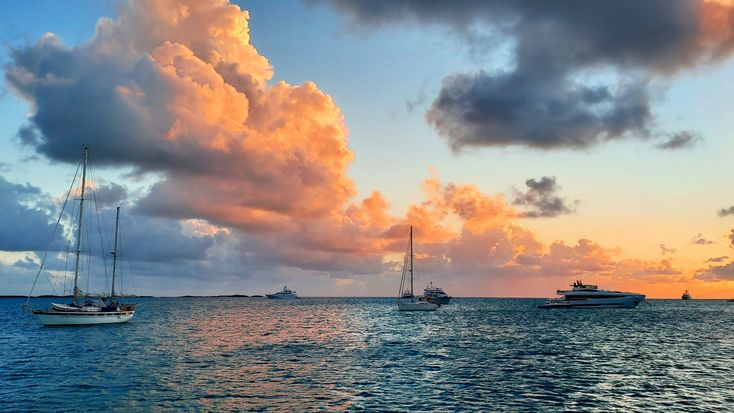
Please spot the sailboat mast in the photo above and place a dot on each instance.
(411, 260)
(79, 226)
(114, 253)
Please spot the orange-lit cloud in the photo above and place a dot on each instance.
(186, 95)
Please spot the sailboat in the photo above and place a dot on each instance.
(83, 309)
(407, 300)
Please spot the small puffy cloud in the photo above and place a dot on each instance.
(680, 140)
(699, 239)
(723, 212)
(542, 199)
(717, 259)
(667, 251)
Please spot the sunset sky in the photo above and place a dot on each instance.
(254, 144)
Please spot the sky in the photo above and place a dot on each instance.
(254, 144)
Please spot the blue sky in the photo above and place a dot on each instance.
(632, 196)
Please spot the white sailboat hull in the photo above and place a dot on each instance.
(54, 318)
(417, 306)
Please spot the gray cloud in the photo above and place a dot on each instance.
(717, 259)
(544, 111)
(699, 239)
(680, 140)
(717, 273)
(726, 211)
(27, 222)
(420, 99)
(156, 239)
(542, 199)
(667, 251)
(110, 194)
(542, 101)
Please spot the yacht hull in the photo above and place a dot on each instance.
(616, 302)
(417, 306)
(57, 318)
(437, 300)
(280, 297)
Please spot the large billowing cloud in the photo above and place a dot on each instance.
(583, 72)
(253, 174)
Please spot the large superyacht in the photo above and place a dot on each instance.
(589, 296)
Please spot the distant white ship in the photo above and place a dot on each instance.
(589, 296)
(435, 295)
(285, 294)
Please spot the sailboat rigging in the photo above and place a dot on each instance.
(82, 310)
(407, 300)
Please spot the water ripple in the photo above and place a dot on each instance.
(220, 354)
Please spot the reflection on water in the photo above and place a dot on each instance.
(216, 354)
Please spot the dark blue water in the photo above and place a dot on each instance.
(219, 354)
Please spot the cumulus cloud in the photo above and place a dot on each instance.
(253, 174)
(175, 87)
(543, 99)
(542, 199)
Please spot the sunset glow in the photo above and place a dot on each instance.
(610, 169)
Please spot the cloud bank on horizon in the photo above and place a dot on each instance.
(254, 173)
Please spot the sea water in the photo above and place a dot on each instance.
(313, 354)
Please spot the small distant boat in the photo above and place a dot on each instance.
(284, 294)
(84, 308)
(435, 295)
(589, 296)
(686, 296)
(408, 302)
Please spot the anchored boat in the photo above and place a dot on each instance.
(589, 296)
(85, 308)
(406, 299)
(284, 294)
(435, 295)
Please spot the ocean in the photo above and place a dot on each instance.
(360, 354)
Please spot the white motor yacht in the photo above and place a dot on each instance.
(285, 294)
(589, 296)
(435, 295)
